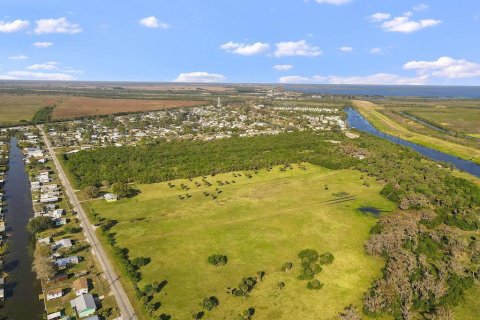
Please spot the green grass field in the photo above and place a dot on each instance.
(15, 108)
(469, 308)
(259, 223)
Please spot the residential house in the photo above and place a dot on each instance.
(110, 197)
(80, 286)
(54, 294)
(45, 240)
(63, 262)
(64, 243)
(84, 305)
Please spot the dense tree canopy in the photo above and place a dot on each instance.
(165, 161)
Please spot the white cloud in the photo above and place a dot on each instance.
(52, 65)
(445, 67)
(60, 25)
(379, 16)
(245, 49)
(403, 24)
(71, 70)
(298, 48)
(379, 79)
(19, 57)
(376, 51)
(200, 77)
(13, 26)
(334, 2)
(346, 49)
(283, 67)
(153, 22)
(43, 44)
(420, 7)
(294, 79)
(302, 79)
(27, 75)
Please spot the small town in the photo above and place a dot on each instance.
(197, 123)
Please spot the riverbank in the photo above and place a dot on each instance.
(383, 123)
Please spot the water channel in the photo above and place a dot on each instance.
(357, 121)
(22, 290)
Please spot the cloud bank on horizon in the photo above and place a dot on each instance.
(302, 41)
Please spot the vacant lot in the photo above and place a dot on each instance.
(74, 107)
(259, 223)
(15, 108)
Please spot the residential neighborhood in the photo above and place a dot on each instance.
(72, 282)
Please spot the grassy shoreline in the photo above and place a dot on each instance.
(388, 126)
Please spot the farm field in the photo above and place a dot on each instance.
(460, 116)
(259, 223)
(463, 120)
(394, 126)
(20, 108)
(74, 107)
(15, 108)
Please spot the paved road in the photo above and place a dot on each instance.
(126, 308)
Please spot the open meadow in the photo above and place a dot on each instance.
(260, 221)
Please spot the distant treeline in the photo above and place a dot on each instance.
(43, 115)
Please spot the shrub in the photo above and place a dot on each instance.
(314, 285)
(91, 192)
(141, 261)
(246, 314)
(246, 285)
(287, 266)
(217, 260)
(326, 258)
(39, 224)
(210, 303)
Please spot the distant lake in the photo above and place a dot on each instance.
(389, 91)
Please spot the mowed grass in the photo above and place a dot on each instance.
(259, 223)
(389, 126)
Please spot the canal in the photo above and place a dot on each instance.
(22, 290)
(357, 121)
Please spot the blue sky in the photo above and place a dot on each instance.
(290, 41)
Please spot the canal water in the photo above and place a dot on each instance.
(22, 290)
(357, 121)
